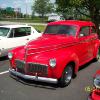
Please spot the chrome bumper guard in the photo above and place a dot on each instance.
(35, 78)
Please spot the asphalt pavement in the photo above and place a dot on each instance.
(15, 89)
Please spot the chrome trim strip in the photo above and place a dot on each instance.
(35, 78)
(37, 63)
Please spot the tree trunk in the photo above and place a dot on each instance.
(95, 16)
(97, 26)
(96, 20)
(42, 18)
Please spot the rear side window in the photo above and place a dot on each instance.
(20, 32)
(85, 31)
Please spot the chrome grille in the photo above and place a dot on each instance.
(37, 68)
(20, 66)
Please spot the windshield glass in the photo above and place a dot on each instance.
(4, 31)
(61, 29)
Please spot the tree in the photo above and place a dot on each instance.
(63, 7)
(10, 11)
(32, 16)
(92, 6)
(42, 7)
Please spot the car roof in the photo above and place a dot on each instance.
(72, 22)
(14, 26)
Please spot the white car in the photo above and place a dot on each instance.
(15, 35)
(55, 17)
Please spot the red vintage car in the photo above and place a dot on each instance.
(95, 94)
(57, 55)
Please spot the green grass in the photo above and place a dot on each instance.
(41, 28)
(25, 20)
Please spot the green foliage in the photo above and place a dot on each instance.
(87, 8)
(9, 9)
(42, 7)
(76, 2)
(64, 8)
(9, 13)
(40, 28)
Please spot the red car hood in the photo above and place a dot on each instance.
(47, 42)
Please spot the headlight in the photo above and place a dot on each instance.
(97, 82)
(52, 63)
(10, 55)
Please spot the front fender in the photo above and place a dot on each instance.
(63, 60)
(17, 52)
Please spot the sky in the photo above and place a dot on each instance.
(23, 4)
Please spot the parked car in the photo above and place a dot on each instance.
(55, 17)
(95, 94)
(15, 35)
(58, 54)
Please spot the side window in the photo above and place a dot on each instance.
(93, 30)
(28, 30)
(84, 31)
(23, 31)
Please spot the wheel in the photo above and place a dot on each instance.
(66, 76)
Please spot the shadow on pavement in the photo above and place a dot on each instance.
(86, 65)
(36, 84)
(3, 58)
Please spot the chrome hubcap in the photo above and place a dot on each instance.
(68, 74)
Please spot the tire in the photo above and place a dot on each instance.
(66, 76)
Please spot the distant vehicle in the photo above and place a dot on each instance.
(52, 18)
(95, 94)
(15, 35)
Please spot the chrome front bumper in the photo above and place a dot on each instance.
(35, 78)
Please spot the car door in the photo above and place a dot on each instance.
(84, 44)
(18, 36)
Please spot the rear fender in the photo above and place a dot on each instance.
(97, 46)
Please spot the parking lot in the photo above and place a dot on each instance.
(11, 89)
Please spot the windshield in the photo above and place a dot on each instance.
(4, 31)
(61, 29)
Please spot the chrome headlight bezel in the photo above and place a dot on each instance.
(52, 62)
(97, 82)
(10, 55)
